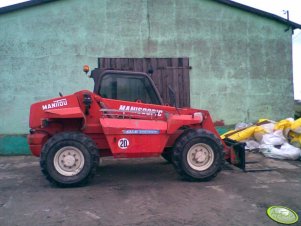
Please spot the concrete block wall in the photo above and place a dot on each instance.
(241, 62)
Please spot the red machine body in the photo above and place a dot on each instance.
(109, 121)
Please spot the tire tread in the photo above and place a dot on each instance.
(180, 145)
(70, 136)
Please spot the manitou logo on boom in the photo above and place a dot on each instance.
(139, 110)
(54, 104)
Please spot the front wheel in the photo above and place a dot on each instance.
(198, 155)
(69, 159)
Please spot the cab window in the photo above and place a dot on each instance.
(128, 88)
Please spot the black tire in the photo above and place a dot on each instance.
(204, 144)
(81, 152)
(167, 155)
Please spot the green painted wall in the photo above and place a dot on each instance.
(241, 63)
(14, 145)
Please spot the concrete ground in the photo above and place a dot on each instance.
(146, 192)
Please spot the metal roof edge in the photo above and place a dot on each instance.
(260, 13)
(23, 5)
(250, 9)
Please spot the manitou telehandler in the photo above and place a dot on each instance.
(123, 117)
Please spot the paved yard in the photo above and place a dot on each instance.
(146, 192)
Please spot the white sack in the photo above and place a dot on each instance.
(275, 138)
(252, 144)
(286, 151)
(242, 125)
(269, 127)
(262, 130)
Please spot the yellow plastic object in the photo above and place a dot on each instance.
(240, 135)
(259, 131)
(295, 139)
(296, 126)
(283, 124)
(223, 136)
(263, 120)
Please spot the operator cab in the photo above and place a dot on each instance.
(125, 85)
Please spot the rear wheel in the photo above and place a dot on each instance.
(69, 159)
(198, 155)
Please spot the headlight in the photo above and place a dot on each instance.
(198, 115)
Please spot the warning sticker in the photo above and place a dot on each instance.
(123, 143)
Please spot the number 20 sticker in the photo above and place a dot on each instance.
(123, 143)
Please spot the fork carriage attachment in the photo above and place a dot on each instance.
(238, 156)
(237, 153)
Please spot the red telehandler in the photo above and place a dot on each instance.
(124, 117)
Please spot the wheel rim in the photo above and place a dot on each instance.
(69, 161)
(200, 157)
